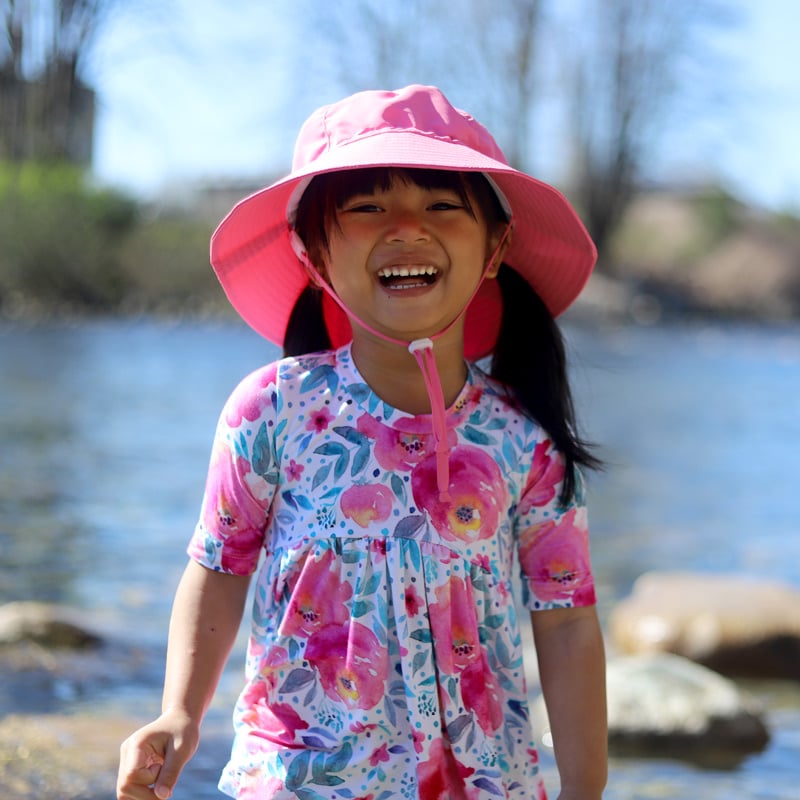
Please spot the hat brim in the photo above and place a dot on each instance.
(252, 254)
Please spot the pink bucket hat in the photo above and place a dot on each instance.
(252, 252)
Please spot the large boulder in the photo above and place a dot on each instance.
(44, 624)
(735, 625)
(661, 705)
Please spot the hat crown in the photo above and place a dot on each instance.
(416, 110)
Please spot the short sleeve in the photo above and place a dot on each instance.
(241, 480)
(553, 539)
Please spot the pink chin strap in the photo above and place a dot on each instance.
(422, 350)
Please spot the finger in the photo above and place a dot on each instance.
(174, 762)
(137, 772)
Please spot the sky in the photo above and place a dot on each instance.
(207, 91)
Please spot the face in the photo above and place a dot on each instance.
(406, 258)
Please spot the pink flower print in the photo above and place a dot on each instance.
(413, 601)
(351, 663)
(319, 598)
(478, 493)
(254, 786)
(482, 694)
(454, 627)
(395, 450)
(294, 471)
(276, 722)
(379, 755)
(231, 514)
(367, 503)
(547, 472)
(441, 777)
(319, 420)
(249, 400)
(555, 558)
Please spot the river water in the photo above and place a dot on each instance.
(106, 427)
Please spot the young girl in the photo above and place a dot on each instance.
(387, 485)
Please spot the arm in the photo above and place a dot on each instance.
(205, 620)
(569, 646)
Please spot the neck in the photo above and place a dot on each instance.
(394, 375)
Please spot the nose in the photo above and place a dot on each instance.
(406, 226)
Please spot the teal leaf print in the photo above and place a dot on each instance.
(324, 374)
(371, 586)
(475, 436)
(320, 774)
(362, 607)
(321, 476)
(298, 769)
(262, 452)
(496, 424)
(494, 621)
(478, 416)
(389, 710)
(337, 761)
(304, 793)
(360, 392)
(342, 456)
(422, 635)
(360, 459)
(296, 680)
(303, 444)
(503, 656)
(419, 661)
(351, 434)
(510, 453)
(398, 487)
(241, 446)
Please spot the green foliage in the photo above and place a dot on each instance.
(61, 237)
(68, 246)
(719, 212)
(166, 268)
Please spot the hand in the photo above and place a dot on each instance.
(152, 758)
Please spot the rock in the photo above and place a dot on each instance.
(738, 626)
(661, 705)
(45, 624)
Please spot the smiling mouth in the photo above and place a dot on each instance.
(408, 277)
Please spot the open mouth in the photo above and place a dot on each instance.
(410, 277)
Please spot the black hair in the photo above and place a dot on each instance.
(529, 358)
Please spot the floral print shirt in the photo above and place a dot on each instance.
(385, 658)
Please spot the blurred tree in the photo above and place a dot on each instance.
(481, 53)
(617, 67)
(625, 68)
(47, 111)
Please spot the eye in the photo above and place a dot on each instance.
(361, 206)
(446, 205)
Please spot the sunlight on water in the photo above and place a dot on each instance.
(106, 429)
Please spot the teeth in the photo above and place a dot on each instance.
(405, 272)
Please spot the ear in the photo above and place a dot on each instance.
(497, 245)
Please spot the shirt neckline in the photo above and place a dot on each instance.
(365, 397)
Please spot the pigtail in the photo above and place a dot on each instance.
(530, 359)
(306, 331)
